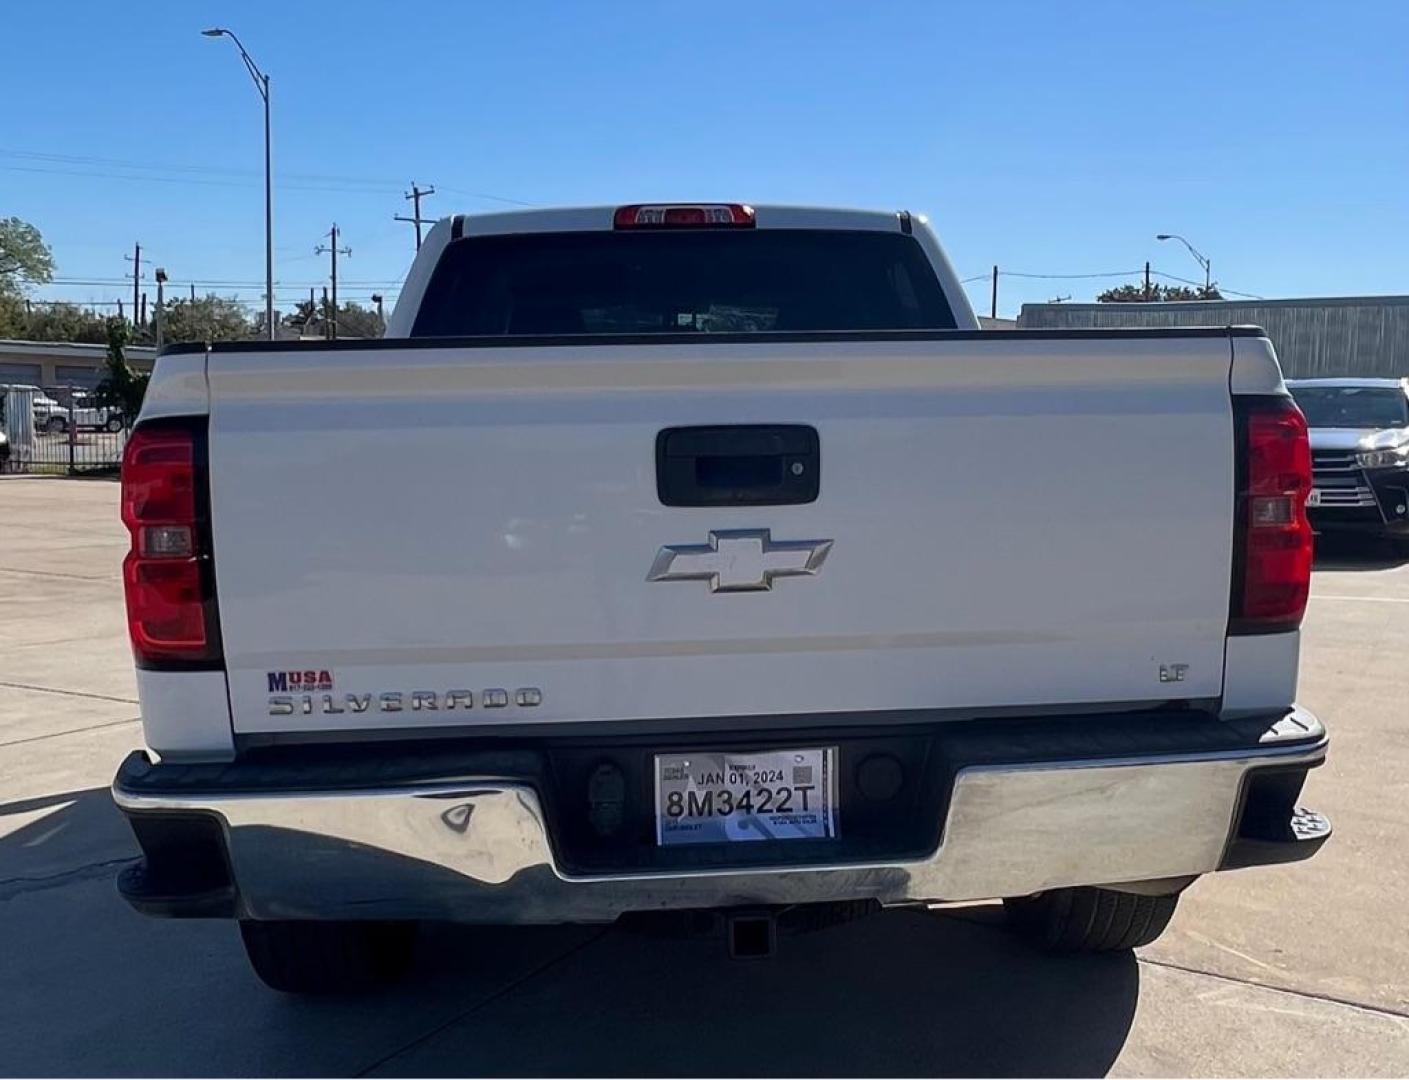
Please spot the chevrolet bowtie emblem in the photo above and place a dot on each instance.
(739, 560)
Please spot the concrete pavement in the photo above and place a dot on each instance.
(1295, 970)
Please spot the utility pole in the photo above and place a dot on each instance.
(416, 194)
(334, 251)
(1147, 279)
(161, 296)
(193, 292)
(993, 305)
(136, 260)
(142, 320)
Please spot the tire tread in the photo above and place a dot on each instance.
(1090, 919)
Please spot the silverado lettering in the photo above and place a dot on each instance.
(395, 701)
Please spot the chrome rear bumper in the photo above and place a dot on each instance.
(479, 848)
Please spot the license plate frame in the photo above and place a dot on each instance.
(700, 783)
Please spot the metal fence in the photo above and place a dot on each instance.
(59, 430)
(1315, 337)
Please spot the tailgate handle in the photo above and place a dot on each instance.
(738, 465)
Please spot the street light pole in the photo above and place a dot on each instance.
(268, 222)
(261, 83)
(161, 299)
(1200, 259)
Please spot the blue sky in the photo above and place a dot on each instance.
(1046, 138)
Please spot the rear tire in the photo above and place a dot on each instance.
(1089, 919)
(306, 957)
(114, 424)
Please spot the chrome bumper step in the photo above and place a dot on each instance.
(480, 847)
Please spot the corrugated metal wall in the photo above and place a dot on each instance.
(1358, 336)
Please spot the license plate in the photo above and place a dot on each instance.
(719, 797)
(1313, 497)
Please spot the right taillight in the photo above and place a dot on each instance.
(166, 575)
(1272, 562)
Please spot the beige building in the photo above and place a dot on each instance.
(62, 363)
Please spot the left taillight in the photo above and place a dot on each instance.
(167, 576)
(1273, 537)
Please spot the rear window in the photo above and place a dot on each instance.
(669, 282)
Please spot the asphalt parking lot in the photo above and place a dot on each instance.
(1301, 969)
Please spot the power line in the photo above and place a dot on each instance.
(1071, 277)
(1200, 285)
(487, 195)
(378, 183)
(342, 189)
(1108, 274)
(203, 175)
(170, 167)
(216, 283)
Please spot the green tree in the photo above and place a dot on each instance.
(62, 322)
(208, 318)
(354, 320)
(24, 256)
(121, 387)
(1136, 294)
(305, 319)
(12, 317)
(310, 319)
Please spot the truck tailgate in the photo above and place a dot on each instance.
(409, 537)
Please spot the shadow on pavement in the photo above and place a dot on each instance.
(899, 993)
(51, 836)
(1345, 552)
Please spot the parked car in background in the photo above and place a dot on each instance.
(86, 413)
(53, 416)
(49, 414)
(1359, 454)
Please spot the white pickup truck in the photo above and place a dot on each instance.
(708, 558)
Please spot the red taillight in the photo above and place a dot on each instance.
(683, 216)
(170, 604)
(1274, 533)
